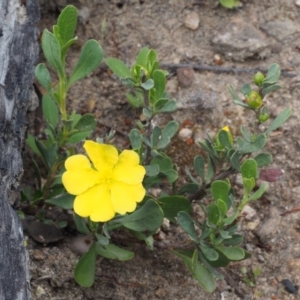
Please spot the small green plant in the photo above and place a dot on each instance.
(229, 3)
(62, 130)
(250, 276)
(108, 189)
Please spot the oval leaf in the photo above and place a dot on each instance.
(52, 51)
(85, 268)
(67, 22)
(112, 251)
(118, 67)
(89, 59)
(172, 205)
(232, 253)
(50, 110)
(148, 217)
(187, 224)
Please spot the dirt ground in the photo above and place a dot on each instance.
(251, 37)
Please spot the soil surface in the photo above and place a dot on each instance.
(222, 47)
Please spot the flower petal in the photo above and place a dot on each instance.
(124, 196)
(127, 169)
(102, 156)
(95, 203)
(79, 175)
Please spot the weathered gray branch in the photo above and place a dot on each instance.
(18, 56)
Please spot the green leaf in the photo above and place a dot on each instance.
(225, 234)
(246, 134)
(81, 224)
(86, 123)
(232, 253)
(67, 22)
(270, 89)
(220, 190)
(272, 75)
(222, 207)
(154, 138)
(142, 57)
(148, 217)
(89, 59)
(64, 201)
(199, 166)
(167, 133)
(189, 188)
(85, 268)
(50, 110)
(163, 161)
(246, 89)
(43, 76)
(263, 159)
(279, 120)
(52, 51)
(112, 251)
(249, 169)
(259, 142)
(171, 175)
(65, 48)
(152, 170)
(229, 3)
(213, 215)
(148, 85)
(172, 205)
(31, 143)
(37, 173)
(79, 136)
(236, 239)
(210, 170)
(136, 99)
(170, 106)
(102, 240)
(159, 83)
(223, 137)
(199, 272)
(151, 57)
(257, 194)
(234, 94)
(135, 138)
(235, 160)
(187, 224)
(249, 184)
(118, 67)
(49, 154)
(160, 103)
(209, 253)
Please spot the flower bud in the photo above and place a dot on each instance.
(258, 78)
(254, 100)
(263, 117)
(225, 128)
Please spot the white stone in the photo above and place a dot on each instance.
(185, 134)
(248, 212)
(192, 20)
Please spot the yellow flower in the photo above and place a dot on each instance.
(106, 184)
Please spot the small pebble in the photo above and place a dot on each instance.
(185, 134)
(289, 286)
(185, 76)
(191, 20)
(253, 225)
(248, 212)
(39, 292)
